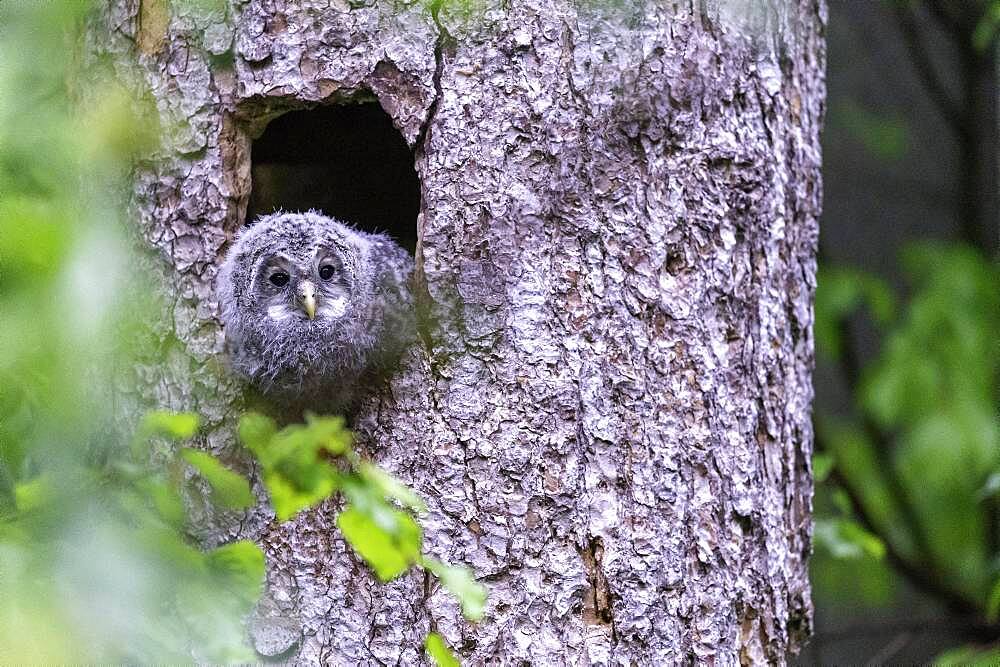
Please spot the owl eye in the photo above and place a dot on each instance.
(279, 278)
(326, 271)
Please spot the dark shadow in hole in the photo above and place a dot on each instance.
(348, 161)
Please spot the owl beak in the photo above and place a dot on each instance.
(307, 298)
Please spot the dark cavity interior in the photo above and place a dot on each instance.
(347, 161)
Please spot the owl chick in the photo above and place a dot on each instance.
(314, 310)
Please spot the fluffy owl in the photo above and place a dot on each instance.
(314, 311)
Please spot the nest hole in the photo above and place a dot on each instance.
(347, 161)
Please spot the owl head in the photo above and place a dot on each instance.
(295, 292)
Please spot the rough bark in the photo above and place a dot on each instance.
(610, 412)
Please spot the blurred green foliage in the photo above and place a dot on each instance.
(913, 471)
(985, 35)
(95, 561)
(94, 565)
(908, 472)
(969, 657)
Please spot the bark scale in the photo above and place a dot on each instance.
(609, 414)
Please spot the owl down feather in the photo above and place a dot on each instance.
(314, 311)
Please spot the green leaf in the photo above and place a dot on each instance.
(288, 499)
(941, 461)
(870, 543)
(845, 539)
(232, 489)
(391, 487)
(439, 651)
(388, 541)
(172, 425)
(256, 432)
(295, 473)
(461, 583)
(822, 467)
(858, 465)
(295, 447)
(239, 567)
(330, 432)
(165, 499)
(942, 355)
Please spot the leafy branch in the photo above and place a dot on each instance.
(916, 462)
(304, 464)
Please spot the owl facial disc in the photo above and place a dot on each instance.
(314, 310)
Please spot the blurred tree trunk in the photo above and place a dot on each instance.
(609, 413)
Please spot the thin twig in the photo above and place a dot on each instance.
(881, 447)
(898, 643)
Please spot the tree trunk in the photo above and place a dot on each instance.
(609, 411)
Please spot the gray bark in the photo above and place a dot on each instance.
(610, 414)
